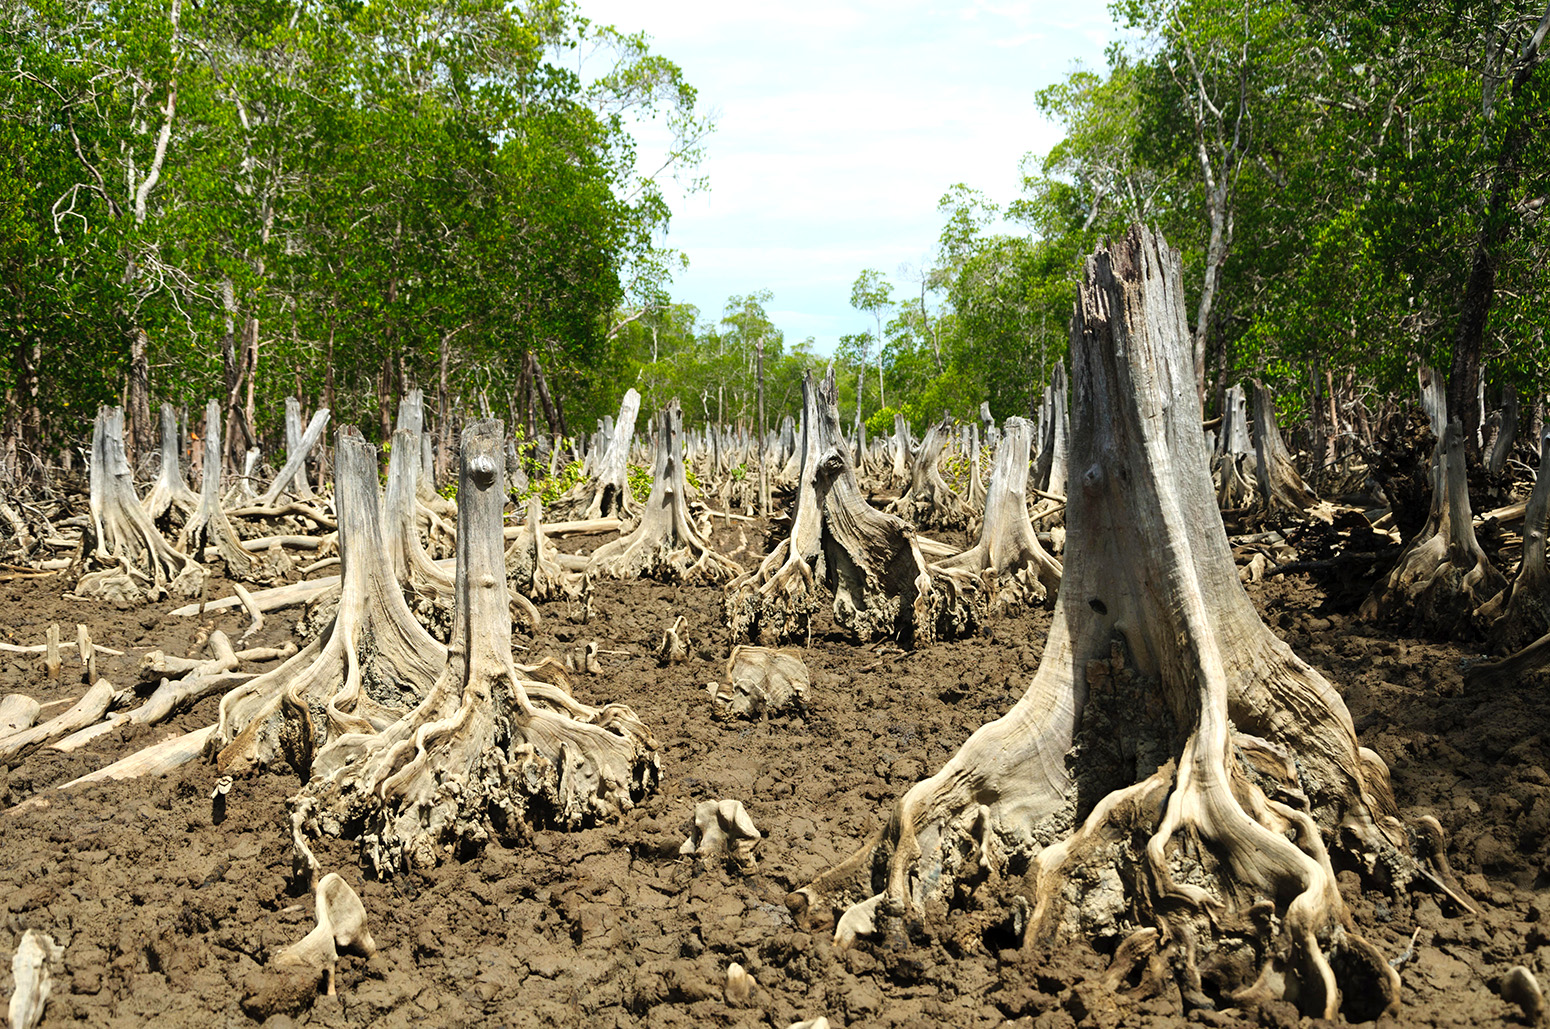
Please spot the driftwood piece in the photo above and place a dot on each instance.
(133, 562)
(32, 978)
(17, 712)
(487, 752)
(84, 712)
(1019, 571)
(295, 462)
(664, 543)
(1214, 770)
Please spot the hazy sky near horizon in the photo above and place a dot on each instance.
(840, 124)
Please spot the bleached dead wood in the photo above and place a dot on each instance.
(133, 561)
(486, 751)
(1214, 771)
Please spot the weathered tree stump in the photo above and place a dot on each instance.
(1191, 826)
(867, 559)
(487, 753)
(370, 663)
(930, 501)
(208, 526)
(1019, 570)
(1280, 487)
(1235, 464)
(1443, 576)
(664, 544)
(170, 489)
(133, 561)
(1520, 614)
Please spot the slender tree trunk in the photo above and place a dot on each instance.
(141, 441)
(1495, 227)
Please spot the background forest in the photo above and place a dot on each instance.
(342, 200)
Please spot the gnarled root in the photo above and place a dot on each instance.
(488, 753)
(775, 601)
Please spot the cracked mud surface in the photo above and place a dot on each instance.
(167, 918)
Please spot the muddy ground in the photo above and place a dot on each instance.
(168, 919)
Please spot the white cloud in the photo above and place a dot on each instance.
(841, 124)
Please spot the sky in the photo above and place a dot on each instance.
(839, 125)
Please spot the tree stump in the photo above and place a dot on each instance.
(208, 526)
(487, 753)
(133, 561)
(1190, 827)
(370, 663)
(868, 560)
(1443, 576)
(170, 489)
(1280, 487)
(1019, 570)
(1520, 614)
(930, 501)
(664, 544)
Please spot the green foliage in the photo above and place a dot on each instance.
(639, 478)
(380, 192)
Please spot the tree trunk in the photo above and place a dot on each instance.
(1490, 241)
(1189, 830)
(141, 439)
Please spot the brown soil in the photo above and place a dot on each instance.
(169, 919)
